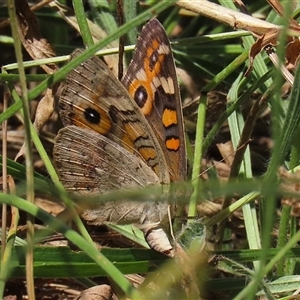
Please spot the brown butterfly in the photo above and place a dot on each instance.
(121, 135)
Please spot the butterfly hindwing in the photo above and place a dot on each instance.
(90, 163)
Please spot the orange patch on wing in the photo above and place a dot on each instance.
(169, 117)
(103, 127)
(173, 144)
(147, 108)
(157, 68)
(155, 44)
(127, 144)
(133, 87)
(148, 105)
(148, 153)
(133, 130)
(105, 122)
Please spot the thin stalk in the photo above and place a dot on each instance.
(28, 147)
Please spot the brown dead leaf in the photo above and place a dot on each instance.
(227, 152)
(241, 6)
(31, 38)
(276, 5)
(292, 48)
(9, 184)
(43, 113)
(97, 33)
(45, 109)
(269, 38)
(20, 153)
(292, 53)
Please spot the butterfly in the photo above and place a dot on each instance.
(124, 134)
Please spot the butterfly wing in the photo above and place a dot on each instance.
(91, 164)
(92, 97)
(152, 82)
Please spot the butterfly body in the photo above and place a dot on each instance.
(123, 135)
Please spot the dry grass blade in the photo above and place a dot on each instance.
(31, 38)
(227, 16)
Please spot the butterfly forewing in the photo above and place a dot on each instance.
(152, 82)
(92, 97)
